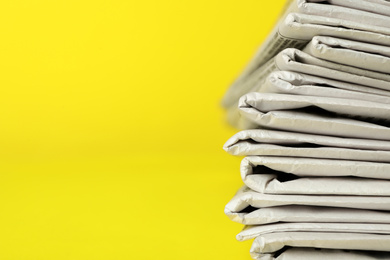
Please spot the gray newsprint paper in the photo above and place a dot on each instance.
(287, 160)
(265, 246)
(313, 176)
(247, 201)
(317, 115)
(313, 167)
(365, 12)
(312, 214)
(347, 81)
(250, 232)
(324, 254)
(289, 82)
(353, 53)
(299, 61)
(306, 19)
(294, 60)
(290, 144)
(317, 168)
(250, 142)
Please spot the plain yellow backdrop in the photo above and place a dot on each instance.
(111, 132)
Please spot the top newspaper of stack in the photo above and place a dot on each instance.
(363, 20)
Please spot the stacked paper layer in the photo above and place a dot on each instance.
(314, 106)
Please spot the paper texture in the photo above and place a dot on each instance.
(317, 115)
(247, 201)
(292, 175)
(326, 254)
(312, 214)
(250, 232)
(299, 61)
(295, 30)
(362, 12)
(288, 82)
(293, 60)
(356, 54)
(313, 167)
(273, 142)
(270, 243)
(316, 99)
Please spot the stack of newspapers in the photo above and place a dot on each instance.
(314, 109)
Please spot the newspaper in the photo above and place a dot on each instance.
(293, 60)
(276, 184)
(268, 244)
(292, 175)
(323, 75)
(250, 232)
(362, 11)
(317, 115)
(288, 82)
(295, 30)
(299, 61)
(324, 254)
(247, 201)
(312, 214)
(313, 167)
(282, 143)
(353, 53)
(375, 6)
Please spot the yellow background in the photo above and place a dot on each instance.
(110, 128)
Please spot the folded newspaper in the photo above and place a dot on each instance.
(244, 206)
(317, 115)
(364, 21)
(264, 217)
(305, 62)
(273, 237)
(316, 102)
(324, 254)
(340, 77)
(283, 143)
(250, 232)
(313, 167)
(356, 54)
(264, 246)
(288, 82)
(294, 175)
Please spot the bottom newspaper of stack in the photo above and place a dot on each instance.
(310, 195)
